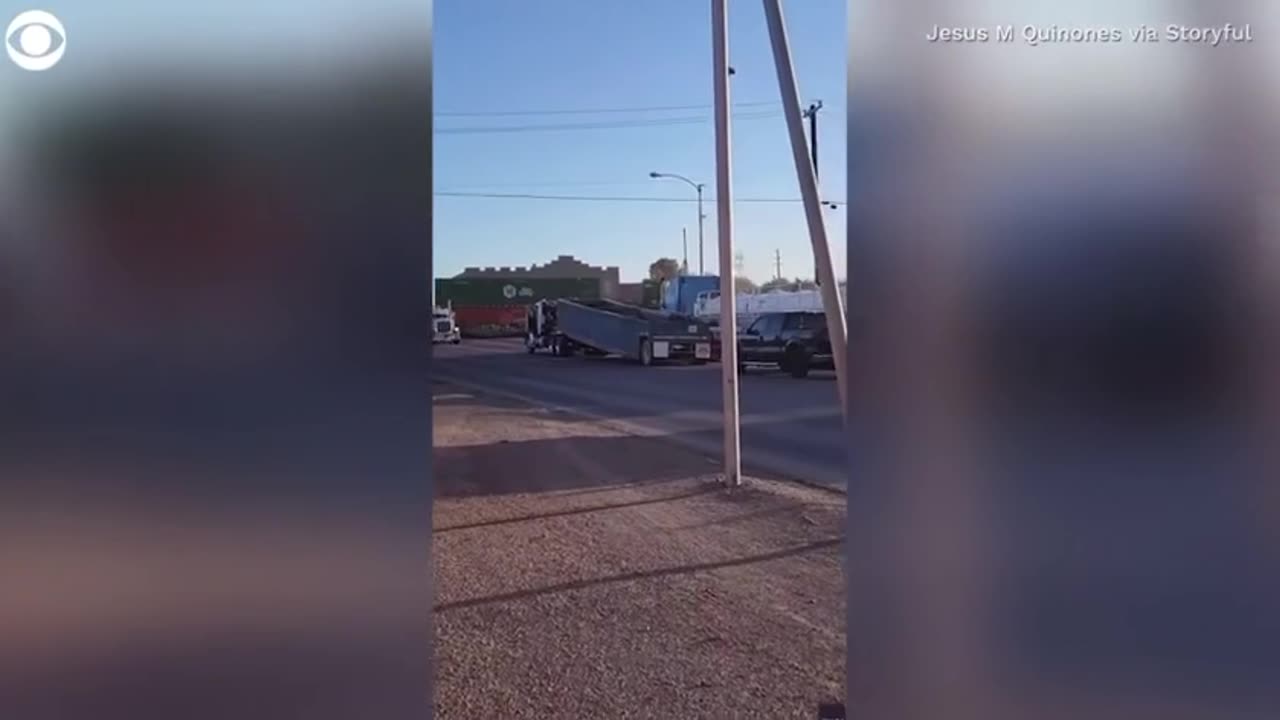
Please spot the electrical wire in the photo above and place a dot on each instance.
(615, 198)
(601, 111)
(490, 187)
(599, 125)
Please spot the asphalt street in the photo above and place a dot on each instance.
(791, 428)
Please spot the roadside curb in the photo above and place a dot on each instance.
(768, 469)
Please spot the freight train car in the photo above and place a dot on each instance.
(497, 292)
(479, 321)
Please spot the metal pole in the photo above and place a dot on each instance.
(813, 151)
(701, 217)
(813, 135)
(684, 241)
(807, 175)
(724, 225)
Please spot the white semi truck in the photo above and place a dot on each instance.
(444, 325)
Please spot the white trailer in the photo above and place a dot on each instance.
(753, 305)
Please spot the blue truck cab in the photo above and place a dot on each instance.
(680, 292)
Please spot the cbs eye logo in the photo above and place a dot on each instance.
(35, 40)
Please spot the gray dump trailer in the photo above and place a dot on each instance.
(605, 327)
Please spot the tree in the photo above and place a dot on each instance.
(744, 284)
(664, 269)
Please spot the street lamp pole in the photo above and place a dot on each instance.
(697, 187)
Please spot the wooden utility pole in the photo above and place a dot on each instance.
(812, 114)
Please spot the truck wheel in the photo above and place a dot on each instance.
(646, 353)
(557, 347)
(797, 363)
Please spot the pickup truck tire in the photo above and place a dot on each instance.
(646, 352)
(796, 362)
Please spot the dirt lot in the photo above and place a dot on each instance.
(585, 574)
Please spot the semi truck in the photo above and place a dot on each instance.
(680, 293)
(444, 325)
(604, 327)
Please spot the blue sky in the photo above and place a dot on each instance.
(512, 56)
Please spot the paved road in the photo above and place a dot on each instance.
(790, 428)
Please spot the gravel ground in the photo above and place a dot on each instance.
(581, 573)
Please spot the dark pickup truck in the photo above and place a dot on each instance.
(795, 342)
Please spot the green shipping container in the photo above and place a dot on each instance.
(477, 292)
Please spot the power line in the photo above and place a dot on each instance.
(489, 187)
(608, 198)
(600, 125)
(600, 111)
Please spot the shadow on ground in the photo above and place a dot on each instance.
(642, 575)
(464, 365)
(588, 460)
(581, 464)
(583, 509)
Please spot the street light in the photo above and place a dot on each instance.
(698, 188)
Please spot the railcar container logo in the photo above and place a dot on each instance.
(510, 291)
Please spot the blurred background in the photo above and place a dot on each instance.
(214, 265)
(1063, 496)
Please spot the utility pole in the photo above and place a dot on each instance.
(807, 174)
(701, 217)
(777, 264)
(684, 239)
(812, 114)
(724, 227)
